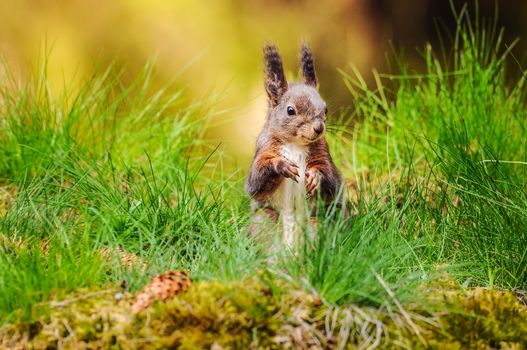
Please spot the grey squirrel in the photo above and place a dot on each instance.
(292, 163)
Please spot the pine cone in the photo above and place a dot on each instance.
(162, 287)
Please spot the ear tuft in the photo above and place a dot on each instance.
(308, 66)
(275, 82)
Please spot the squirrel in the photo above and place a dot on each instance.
(292, 164)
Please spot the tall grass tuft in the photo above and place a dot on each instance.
(460, 127)
(110, 167)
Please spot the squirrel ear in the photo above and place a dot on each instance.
(308, 66)
(275, 83)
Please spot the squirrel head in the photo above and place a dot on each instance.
(297, 113)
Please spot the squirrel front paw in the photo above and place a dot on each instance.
(312, 181)
(287, 169)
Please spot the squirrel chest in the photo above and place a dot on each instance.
(290, 196)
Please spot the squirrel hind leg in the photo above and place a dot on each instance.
(262, 219)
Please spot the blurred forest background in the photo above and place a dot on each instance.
(214, 47)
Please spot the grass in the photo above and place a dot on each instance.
(132, 185)
(435, 164)
(466, 124)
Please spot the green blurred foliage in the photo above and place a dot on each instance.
(214, 47)
(208, 46)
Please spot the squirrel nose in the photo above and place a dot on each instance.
(318, 127)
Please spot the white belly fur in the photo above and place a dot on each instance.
(291, 196)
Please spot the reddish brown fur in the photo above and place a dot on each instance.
(263, 177)
(320, 159)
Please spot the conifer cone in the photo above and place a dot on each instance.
(163, 287)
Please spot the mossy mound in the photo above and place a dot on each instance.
(482, 319)
(254, 314)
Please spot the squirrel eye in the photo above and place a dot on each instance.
(290, 110)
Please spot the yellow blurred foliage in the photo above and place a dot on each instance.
(211, 46)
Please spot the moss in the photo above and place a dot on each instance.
(254, 314)
(483, 319)
(211, 313)
(230, 315)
